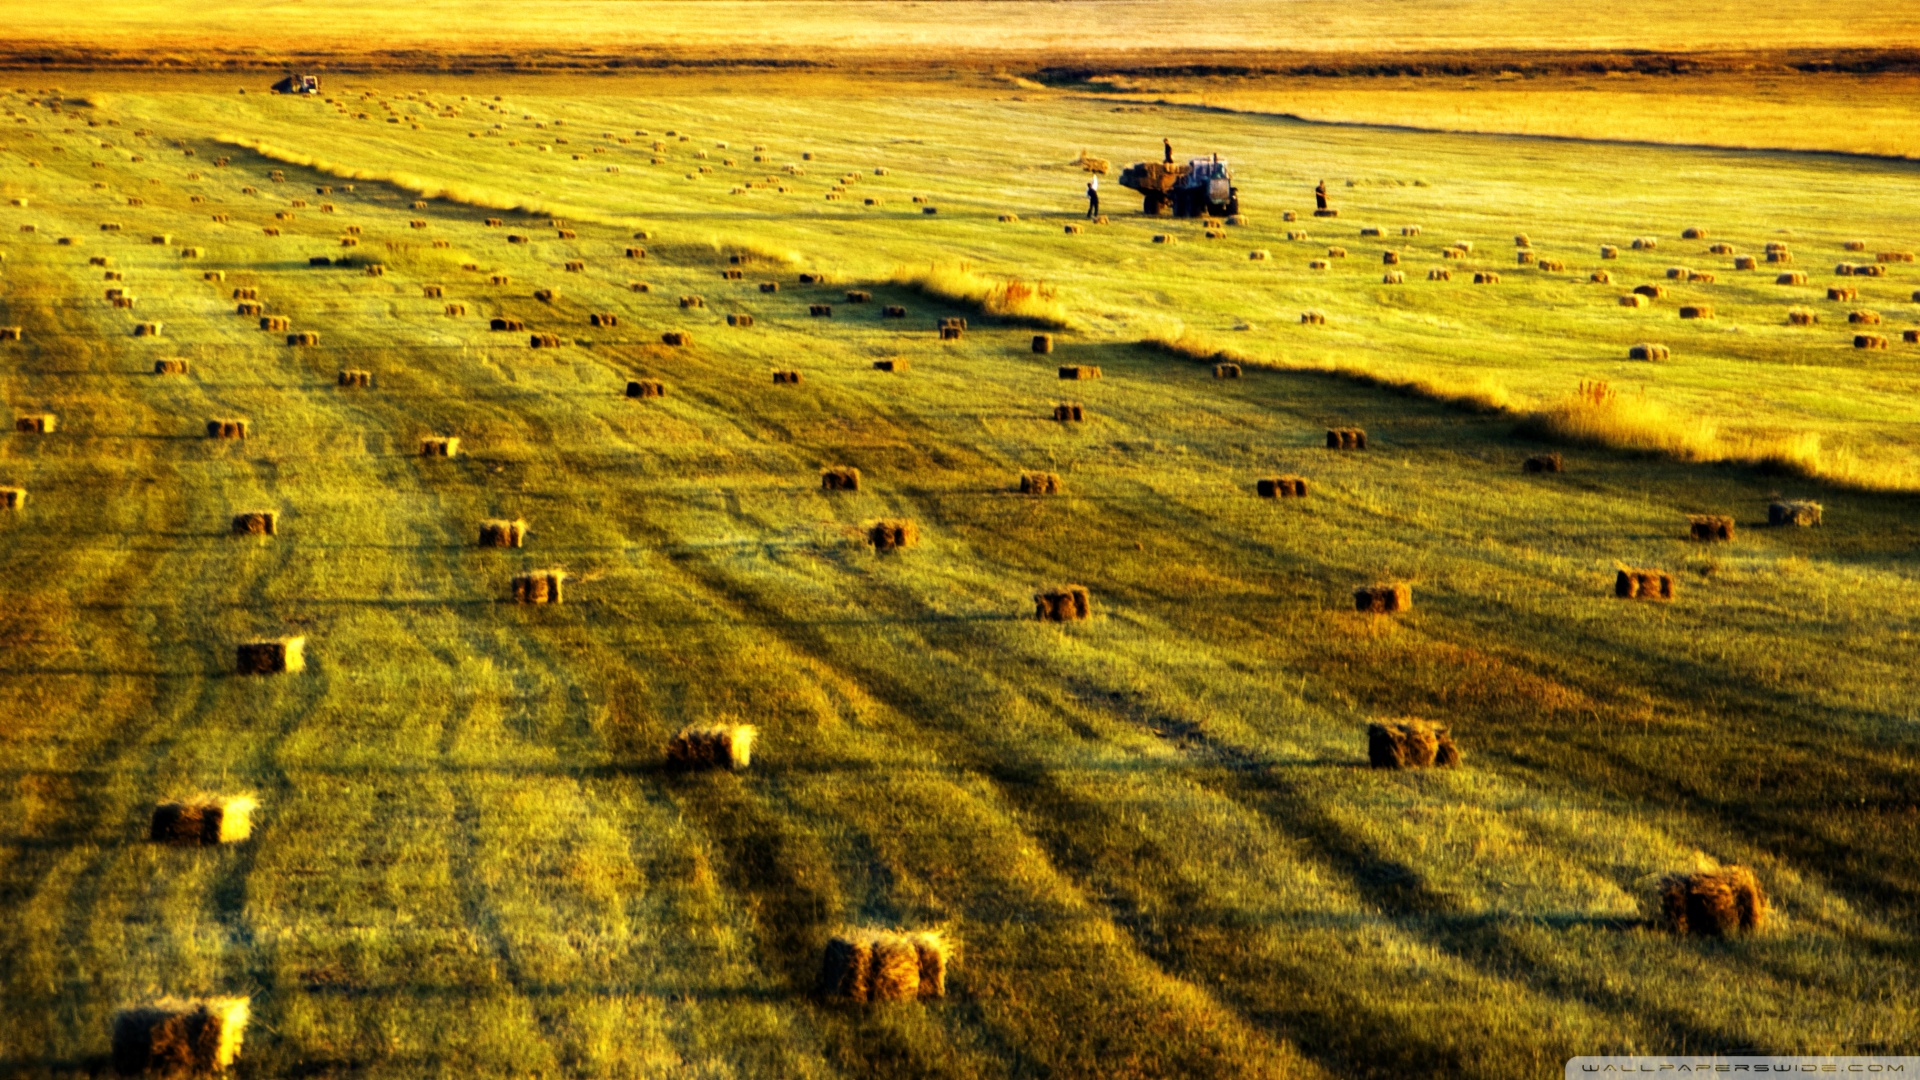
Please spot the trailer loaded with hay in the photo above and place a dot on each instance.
(1203, 187)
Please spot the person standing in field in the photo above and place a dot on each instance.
(1167, 144)
(1093, 197)
(1320, 195)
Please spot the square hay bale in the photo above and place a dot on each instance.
(1895, 256)
(676, 338)
(1648, 350)
(1645, 243)
(163, 238)
(859, 296)
(146, 329)
(193, 252)
(516, 238)
(1694, 233)
(1068, 603)
(246, 292)
(1041, 483)
(1867, 318)
(1313, 318)
(872, 967)
(1336, 253)
(1439, 274)
(256, 523)
(1079, 371)
(1870, 270)
(820, 311)
(1319, 264)
(1069, 412)
(1745, 262)
(36, 423)
(566, 234)
(1522, 240)
(1842, 293)
(1543, 463)
(1713, 903)
(1869, 341)
(13, 498)
(173, 1037)
(1163, 238)
(1910, 336)
(271, 657)
(693, 302)
(769, 286)
(456, 309)
(1409, 230)
(1297, 234)
(724, 746)
(893, 311)
(1800, 512)
(1711, 528)
(1802, 317)
(1410, 744)
(1388, 598)
(539, 586)
(1327, 213)
(1226, 371)
(207, 819)
(1281, 487)
(1633, 583)
(1845, 270)
(1721, 249)
(545, 296)
(227, 428)
(575, 266)
(787, 377)
(1371, 230)
(891, 534)
(1486, 277)
(356, 377)
(349, 241)
(1551, 266)
(1791, 277)
(122, 300)
(1780, 258)
(892, 365)
(503, 533)
(276, 323)
(1651, 292)
(440, 446)
(646, 388)
(1524, 258)
(739, 319)
(543, 341)
(1346, 438)
(603, 318)
(840, 478)
(503, 323)
(173, 365)
(951, 333)
(1600, 277)
(1259, 255)
(1073, 228)
(304, 337)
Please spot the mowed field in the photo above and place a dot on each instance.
(1152, 836)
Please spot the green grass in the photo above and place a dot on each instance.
(1151, 835)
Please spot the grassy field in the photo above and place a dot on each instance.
(1152, 835)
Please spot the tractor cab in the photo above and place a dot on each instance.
(1202, 187)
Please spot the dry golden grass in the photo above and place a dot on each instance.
(1031, 303)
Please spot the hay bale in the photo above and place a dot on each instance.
(13, 498)
(1870, 270)
(1486, 278)
(1438, 274)
(1600, 277)
(1791, 277)
(1319, 264)
(893, 311)
(1371, 230)
(603, 318)
(173, 1037)
(142, 329)
(1226, 371)
(1327, 213)
(1712, 903)
(1711, 528)
(1542, 463)
(1846, 270)
(1800, 512)
(227, 428)
(787, 377)
(1259, 255)
(1313, 318)
(440, 446)
(1079, 371)
(356, 377)
(1008, 219)
(891, 534)
(679, 338)
(504, 324)
(1780, 258)
(1390, 258)
(1551, 266)
(566, 234)
(1336, 253)
(646, 388)
(1346, 438)
(1068, 603)
(1721, 249)
(36, 423)
(1608, 251)
(543, 341)
(1645, 243)
(1410, 744)
(1864, 318)
(820, 311)
(304, 337)
(727, 746)
(172, 365)
(693, 302)
(193, 252)
(1648, 351)
(739, 319)
(1524, 258)
(1651, 292)
(1073, 228)
(840, 478)
(1281, 487)
(545, 296)
(1895, 256)
(125, 301)
(539, 586)
(516, 238)
(1910, 336)
(1041, 483)
(1163, 238)
(1069, 412)
(500, 532)
(891, 365)
(207, 819)
(256, 523)
(1633, 583)
(1842, 293)
(1384, 599)
(951, 333)
(1695, 233)
(1869, 341)
(1393, 277)
(271, 657)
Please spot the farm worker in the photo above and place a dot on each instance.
(1320, 194)
(1168, 145)
(1093, 197)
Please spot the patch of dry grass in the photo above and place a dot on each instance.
(1029, 303)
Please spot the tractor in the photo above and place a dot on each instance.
(297, 84)
(1203, 187)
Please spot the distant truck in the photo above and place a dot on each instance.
(297, 84)
(1202, 187)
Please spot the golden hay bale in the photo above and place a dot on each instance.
(820, 311)
(1009, 218)
(1711, 528)
(1438, 274)
(1319, 264)
(146, 329)
(1327, 213)
(1346, 438)
(349, 241)
(1869, 341)
(356, 377)
(1895, 256)
(125, 301)
(1073, 228)
(1843, 292)
(1336, 253)
(227, 428)
(1713, 903)
(516, 238)
(1068, 603)
(256, 523)
(1721, 249)
(1608, 251)
(1791, 277)
(545, 296)
(500, 532)
(1551, 266)
(1794, 512)
(1870, 270)
(503, 323)
(1411, 744)
(1163, 238)
(36, 423)
(1745, 262)
(173, 365)
(1041, 483)
(603, 318)
(858, 296)
(1079, 371)
(739, 319)
(893, 365)
(840, 478)
(1865, 318)
(1069, 412)
(1648, 351)
(1854, 245)
(893, 311)
(1226, 371)
(271, 656)
(1600, 277)
(206, 819)
(1543, 463)
(867, 966)
(787, 377)
(693, 302)
(575, 266)
(1390, 258)
(891, 534)
(1486, 278)
(676, 338)
(304, 337)
(173, 1037)
(440, 446)
(1313, 318)
(276, 322)
(1645, 243)
(163, 238)
(566, 234)
(192, 252)
(543, 341)
(1524, 258)
(646, 388)
(1281, 487)
(1632, 583)
(728, 746)
(1651, 292)
(1259, 255)
(1910, 336)
(1371, 230)
(456, 309)
(1695, 233)
(1802, 317)
(13, 498)
(539, 586)
(1846, 270)
(1780, 258)
(1386, 599)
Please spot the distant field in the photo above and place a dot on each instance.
(1152, 835)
